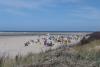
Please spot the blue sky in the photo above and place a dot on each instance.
(50, 15)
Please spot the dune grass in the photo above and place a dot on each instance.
(79, 56)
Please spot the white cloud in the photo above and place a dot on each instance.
(16, 5)
(32, 3)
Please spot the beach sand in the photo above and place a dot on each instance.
(14, 45)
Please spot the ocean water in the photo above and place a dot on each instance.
(22, 33)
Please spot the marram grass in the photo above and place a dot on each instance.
(78, 56)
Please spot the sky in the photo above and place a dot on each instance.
(49, 15)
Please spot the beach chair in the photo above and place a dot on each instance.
(27, 43)
(45, 42)
(65, 42)
(69, 41)
(32, 41)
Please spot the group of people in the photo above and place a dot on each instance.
(51, 40)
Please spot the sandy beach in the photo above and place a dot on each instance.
(14, 45)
